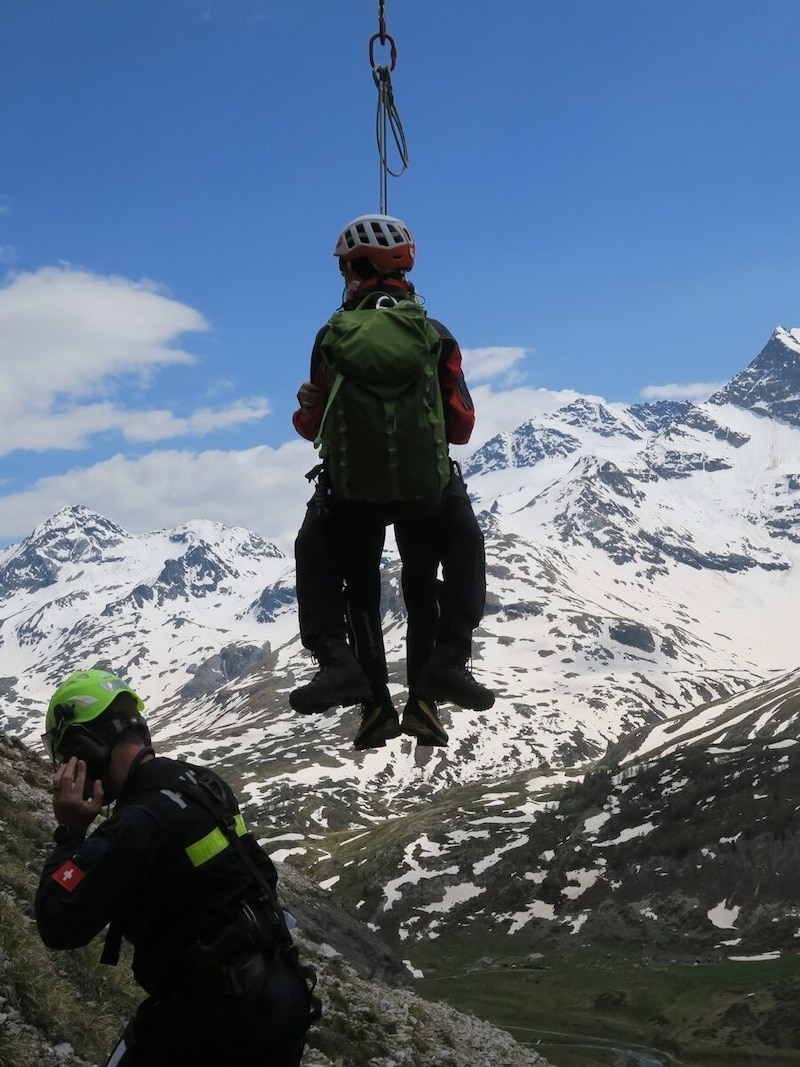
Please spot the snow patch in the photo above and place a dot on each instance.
(723, 917)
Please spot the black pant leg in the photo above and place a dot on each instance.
(362, 532)
(461, 544)
(318, 573)
(418, 545)
(266, 1024)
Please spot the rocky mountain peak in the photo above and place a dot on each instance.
(657, 415)
(73, 535)
(242, 542)
(589, 413)
(77, 532)
(770, 385)
(528, 445)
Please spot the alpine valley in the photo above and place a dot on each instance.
(631, 799)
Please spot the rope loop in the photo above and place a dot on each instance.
(387, 122)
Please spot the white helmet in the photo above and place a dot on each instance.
(386, 242)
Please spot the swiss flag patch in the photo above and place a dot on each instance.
(68, 875)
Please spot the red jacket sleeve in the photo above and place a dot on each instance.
(459, 410)
(307, 420)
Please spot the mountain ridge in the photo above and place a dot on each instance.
(638, 564)
(634, 788)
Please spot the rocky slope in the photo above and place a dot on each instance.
(686, 833)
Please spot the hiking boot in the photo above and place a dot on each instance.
(379, 723)
(445, 677)
(339, 680)
(420, 720)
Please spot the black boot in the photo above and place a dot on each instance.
(421, 721)
(445, 677)
(379, 723)
(339, 680)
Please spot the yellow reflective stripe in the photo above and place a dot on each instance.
(207, 847)
(213, 843)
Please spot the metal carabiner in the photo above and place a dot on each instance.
(386, 38)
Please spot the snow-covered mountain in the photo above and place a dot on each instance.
(179, 611)
(682, 840)
(641, 560)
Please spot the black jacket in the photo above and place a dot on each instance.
(160, 869)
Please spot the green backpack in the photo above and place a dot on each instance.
(382, 436)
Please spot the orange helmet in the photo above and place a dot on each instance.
(386, 242)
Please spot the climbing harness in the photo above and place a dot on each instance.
(387, 119)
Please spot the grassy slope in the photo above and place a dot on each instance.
(62, 997)
(702, 1015)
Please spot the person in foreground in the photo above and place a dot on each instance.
(176, 873)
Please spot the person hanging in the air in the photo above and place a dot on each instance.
(386, 394)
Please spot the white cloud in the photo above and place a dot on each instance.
(71, 345)
(690, 391)
(158, 425)
(261, 488)
(503, 406)
(505, 410)
(481, 364)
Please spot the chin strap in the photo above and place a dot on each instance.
(140, 756)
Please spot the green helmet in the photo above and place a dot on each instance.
(79, 700)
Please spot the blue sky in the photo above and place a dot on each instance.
(604, 198)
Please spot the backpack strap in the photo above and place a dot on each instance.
(209, 794)
(390, 407)
(334, 389)
(227, 823)
(112, 945)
